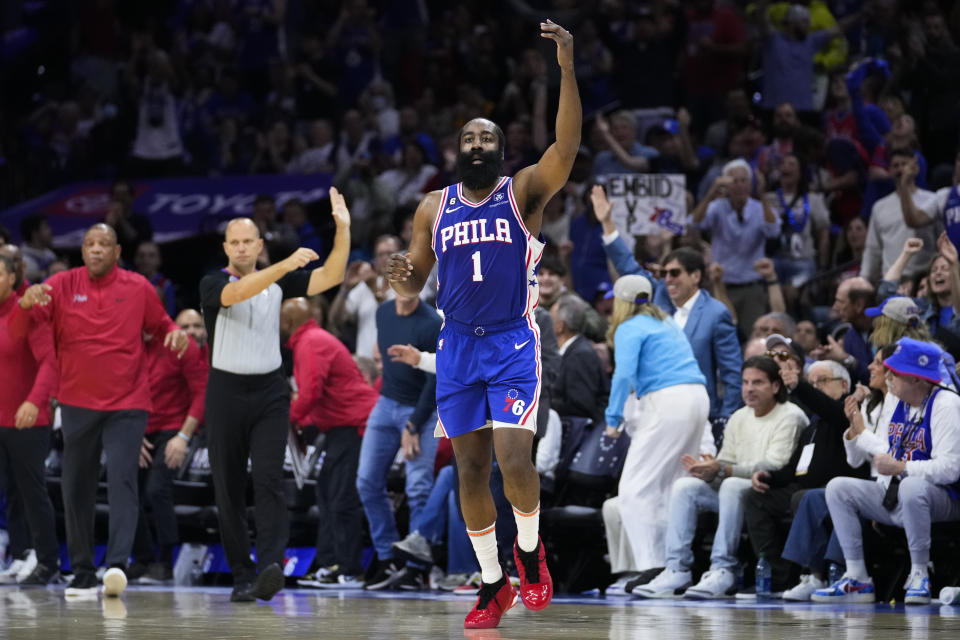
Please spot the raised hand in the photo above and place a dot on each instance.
(300, 258)
(177, 341)
(947, 249)
(764, 266)
(341, 215)
(912, 246)
(601, 206)
(405, 353)
(564, 40)
(399, 267)
(37, 294)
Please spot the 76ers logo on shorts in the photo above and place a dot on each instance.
(513, 403)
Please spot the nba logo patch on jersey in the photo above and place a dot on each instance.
(498, 197)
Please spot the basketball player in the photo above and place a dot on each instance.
(484, 232)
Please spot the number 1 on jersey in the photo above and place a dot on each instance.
(477, 275)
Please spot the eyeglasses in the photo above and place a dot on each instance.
(819, 382)
(673, 273)
(782, 356)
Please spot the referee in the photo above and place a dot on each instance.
(247, 411)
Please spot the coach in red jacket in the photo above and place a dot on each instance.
(178, 386)
(29, 380)
(333, 396)
(99, 314)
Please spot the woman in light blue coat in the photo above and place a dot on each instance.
(655, 361)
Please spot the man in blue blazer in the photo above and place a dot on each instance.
(705, 320)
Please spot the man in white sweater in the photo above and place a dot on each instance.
(918, 467)
(890, 225)
(758, 437)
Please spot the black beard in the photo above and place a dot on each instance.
(479, 176)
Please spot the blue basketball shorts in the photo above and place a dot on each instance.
(487, 376)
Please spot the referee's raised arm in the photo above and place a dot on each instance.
(242, 244)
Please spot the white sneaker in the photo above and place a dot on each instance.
(668, 584)
(717, 583)
(804, 589)
(29, 564)
(619, 588)
(114, 582)
(9, 575)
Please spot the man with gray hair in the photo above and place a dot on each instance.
(739, 226)
(818, 457)
(582, 387)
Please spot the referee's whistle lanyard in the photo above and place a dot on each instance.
(910, 426)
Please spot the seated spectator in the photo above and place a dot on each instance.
(655, 361)
(148, 263)
(852, 299)
(917, 477)
(739, 227)
(773, 322)
(818, 457)
(896, 317)
(760, 436)
(811, 542)
(552, 280)
(275, 149)
(581, 389)
(806, 335)
(410, 132)
(294, 214)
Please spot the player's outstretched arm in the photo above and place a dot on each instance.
(407, 272)
(536, 185)
(331, 273)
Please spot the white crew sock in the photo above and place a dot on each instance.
(857, 569)
(528, 528)
(485, 546)
(919, 569)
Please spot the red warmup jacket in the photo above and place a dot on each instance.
(27, 368)
(177, 385)
(331, 392)
(98, 326)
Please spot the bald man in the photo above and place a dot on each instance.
(247, 412)
(850, 304)
(333, 397)
(99, 315)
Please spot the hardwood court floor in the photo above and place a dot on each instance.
(207, 614)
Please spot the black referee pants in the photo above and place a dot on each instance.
(248, 416)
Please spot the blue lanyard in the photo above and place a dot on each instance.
(797, 226)
(909, 428)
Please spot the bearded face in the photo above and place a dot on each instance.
(479, 169)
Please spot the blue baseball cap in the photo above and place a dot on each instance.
(917, 359)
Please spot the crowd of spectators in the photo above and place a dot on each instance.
(818, 141)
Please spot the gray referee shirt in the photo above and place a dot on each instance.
(245, 337)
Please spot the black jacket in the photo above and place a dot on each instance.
(581, 388)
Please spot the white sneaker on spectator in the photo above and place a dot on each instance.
(668, 584)
(717, 583)
(29, 564)
(114, 582)
(454, 580)
(619, 588)
(414, 547)
(804, 589)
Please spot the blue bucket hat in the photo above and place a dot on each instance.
(917, 359)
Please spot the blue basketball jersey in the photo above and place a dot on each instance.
(486, 259)
(951, 216)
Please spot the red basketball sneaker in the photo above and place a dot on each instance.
(536, 587)
(493, 601)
